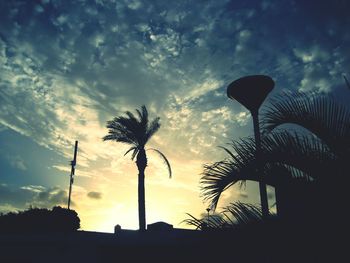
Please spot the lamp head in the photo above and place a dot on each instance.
(250, 91)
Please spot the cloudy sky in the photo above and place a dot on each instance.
(69, 66)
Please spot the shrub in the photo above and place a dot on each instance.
(40, 220)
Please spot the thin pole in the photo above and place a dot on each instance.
(208, 209)
(73, 163)
(262, 185)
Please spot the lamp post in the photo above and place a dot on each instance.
(208, 210)
(251, 91)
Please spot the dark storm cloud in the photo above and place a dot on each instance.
(94, 195)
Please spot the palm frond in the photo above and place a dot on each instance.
(135, 151)
(205, 224)
(193, 221)
(128, 126)
(284, 157)
(216, 178)
(322, 115)
(152, 129)
(123, 130)
(143, 116)
(215, 221)
(131, 129)
(164, 159)
(109, 137)
(118, 138)
(233, 216)
(227, 151)
(244, 213)
(304, 152)
(129, 150)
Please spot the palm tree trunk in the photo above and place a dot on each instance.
(141, 162)
(142, 209)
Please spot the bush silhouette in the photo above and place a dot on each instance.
(40, 220)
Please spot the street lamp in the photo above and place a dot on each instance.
(251, 91)
(208, 210)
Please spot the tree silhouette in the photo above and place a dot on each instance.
(136, 131)
(40, 220)
(299, 163)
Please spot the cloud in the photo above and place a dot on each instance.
(17, 162)
(33, 188)
(50, 197)
(31, 195)
(175, 58)
(15, 197)
(94, 195)
(6, 208)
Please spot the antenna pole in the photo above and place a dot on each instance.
(73, 163)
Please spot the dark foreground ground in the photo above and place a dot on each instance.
(171, 246)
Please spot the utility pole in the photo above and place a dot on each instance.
(73, 163)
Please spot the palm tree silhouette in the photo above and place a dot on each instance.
(136, 131)
(299, 163)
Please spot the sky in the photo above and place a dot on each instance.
(67, 67)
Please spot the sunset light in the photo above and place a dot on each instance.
(189, 116)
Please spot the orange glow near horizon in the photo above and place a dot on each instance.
(167, 199)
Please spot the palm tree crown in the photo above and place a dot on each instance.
(132, 130)
(136, 131)
(300, 163)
